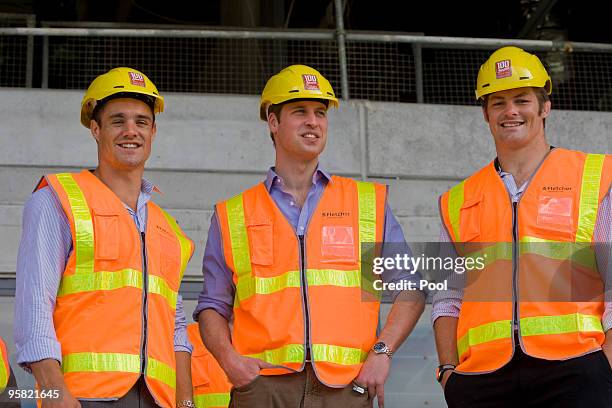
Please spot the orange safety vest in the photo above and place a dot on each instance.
(540, 275)
(5, 369)
(282, 280)
(105, 300)
(211, 388)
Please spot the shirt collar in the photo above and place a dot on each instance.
(147, 187)
(272, 177)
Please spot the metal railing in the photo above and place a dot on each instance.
(374, 66)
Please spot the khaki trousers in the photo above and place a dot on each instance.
(299, 390)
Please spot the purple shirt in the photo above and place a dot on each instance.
(448, 302)
(218, 289)
(46, 244)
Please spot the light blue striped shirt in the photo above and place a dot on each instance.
(46, 244)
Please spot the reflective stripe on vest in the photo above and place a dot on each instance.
(455, 201)
(294, 353)
(85, 279)
(530, 326)
(216, 400)
(126, 363)
(589, 193)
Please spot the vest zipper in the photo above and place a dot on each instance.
(145, 285)
(304, 286)
(515, 322)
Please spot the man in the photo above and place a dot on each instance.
(97, 311)
(526, 330)
(283, 260)
(211, 388)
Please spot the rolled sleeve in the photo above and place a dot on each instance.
(218, 288)
(45, 244)
(447, 302)
(181, 339)
(603, 245)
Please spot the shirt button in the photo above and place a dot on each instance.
(291, 203)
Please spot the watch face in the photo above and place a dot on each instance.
(380, 347)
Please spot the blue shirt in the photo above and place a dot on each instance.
(219, 289)
(46, 244)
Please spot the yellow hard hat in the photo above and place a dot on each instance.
(295, 82)
(510, 68)
(118, 81)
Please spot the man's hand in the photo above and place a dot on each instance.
(242, 370)
(445, 376)
(49, 377)
(373, 375)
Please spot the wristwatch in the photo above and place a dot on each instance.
(185, 404)
(381, 347)
(442, 369)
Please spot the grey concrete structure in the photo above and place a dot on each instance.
(211, 147)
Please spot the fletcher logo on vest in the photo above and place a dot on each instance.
(552, 189)
(336, 214)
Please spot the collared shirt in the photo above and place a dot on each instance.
(46, 244)
(219, 289)
(448, 302)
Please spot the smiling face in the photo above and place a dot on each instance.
(516, 116)
(124, 131)
(301, 132)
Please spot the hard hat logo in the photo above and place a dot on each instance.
(503, 69)
(311, 83)
(137, 79)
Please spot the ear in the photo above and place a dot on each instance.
(546, 109)
(153, 131)
(273, 122)
(485, 114)
(94, 128)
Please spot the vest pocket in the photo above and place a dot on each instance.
(200, 369)
(106, 233)
(470, 219)
(170, 259)
(261, 242)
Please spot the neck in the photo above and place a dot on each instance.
(125, 184)
(523, 161)
(297, 177)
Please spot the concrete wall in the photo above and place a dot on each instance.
(211, 147)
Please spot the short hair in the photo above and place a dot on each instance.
(148, 100)
(541, 94)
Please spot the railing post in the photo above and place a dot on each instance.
(341, 36)
(418, 71)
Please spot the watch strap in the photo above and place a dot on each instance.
(442, 369)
